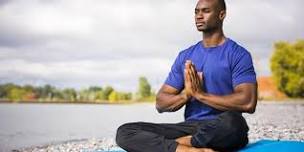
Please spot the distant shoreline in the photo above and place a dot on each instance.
(287, 101)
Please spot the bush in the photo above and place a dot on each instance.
(287, 66)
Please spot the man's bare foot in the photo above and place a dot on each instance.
(186, 140)
(183, 148)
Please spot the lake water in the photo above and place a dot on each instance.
(24, 125)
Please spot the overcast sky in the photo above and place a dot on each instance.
(78, 43)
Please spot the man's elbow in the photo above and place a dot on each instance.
(250, 107)
(159, 109)
(158, 105)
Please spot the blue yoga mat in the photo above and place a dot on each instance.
(274, 146)
(265, 146)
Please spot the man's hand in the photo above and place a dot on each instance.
(193, 80)
(170, 99)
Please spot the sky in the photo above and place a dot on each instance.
(81, 43)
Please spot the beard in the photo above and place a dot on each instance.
(206, 29)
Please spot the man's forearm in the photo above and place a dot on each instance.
(235, 101)
(166, 102)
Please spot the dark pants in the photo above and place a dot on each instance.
(227, 132)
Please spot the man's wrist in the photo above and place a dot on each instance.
(185, 96)
(200, 95)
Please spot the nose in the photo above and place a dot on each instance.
(199, 17)
(199, 14)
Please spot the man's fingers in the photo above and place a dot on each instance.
(195, 77)
(193, 67)
(200, 75)
(188, 84)
(190, 79)
(188, 64)
(187, 76)
(192, 75)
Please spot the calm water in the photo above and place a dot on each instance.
(24, 125)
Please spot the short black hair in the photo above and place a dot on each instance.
(222, 4)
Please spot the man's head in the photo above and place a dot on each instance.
(209, 15)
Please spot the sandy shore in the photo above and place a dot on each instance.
(277, 121)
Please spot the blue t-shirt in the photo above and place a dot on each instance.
(223, 67)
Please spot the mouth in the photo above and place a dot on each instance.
(200, 24)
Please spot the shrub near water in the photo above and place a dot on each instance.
(287, 66)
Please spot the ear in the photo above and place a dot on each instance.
(222, 14)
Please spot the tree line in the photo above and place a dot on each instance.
(96, 94)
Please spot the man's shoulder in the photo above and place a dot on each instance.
(236, 47)
(190, 50)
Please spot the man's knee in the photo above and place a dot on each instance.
(234, 121)
(235, 126)
(214, 133)
(124, 131)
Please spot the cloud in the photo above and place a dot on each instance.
(79, 43)
(263, 21)
(4, 2)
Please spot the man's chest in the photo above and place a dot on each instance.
(216, 66)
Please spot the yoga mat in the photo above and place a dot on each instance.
(274, 146)
(264, 146)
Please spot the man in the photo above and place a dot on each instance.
(216, 81)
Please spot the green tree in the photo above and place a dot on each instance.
(126, 96)
(56, 94)
(30, 93)
(95, 93)
(6, 88)
(83, 95)
(87, 95)
(69, 94)
(95, 88)
(100, 95)
(107, 91)
(2, 91)
(16, 94)
(46, 92)
(28, 88)
(287, 66)
(144, 88)
(113, 97)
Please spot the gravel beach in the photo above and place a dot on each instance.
(276, 121)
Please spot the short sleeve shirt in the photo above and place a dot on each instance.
(224, 67)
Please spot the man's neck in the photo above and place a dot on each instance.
(212, 39)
